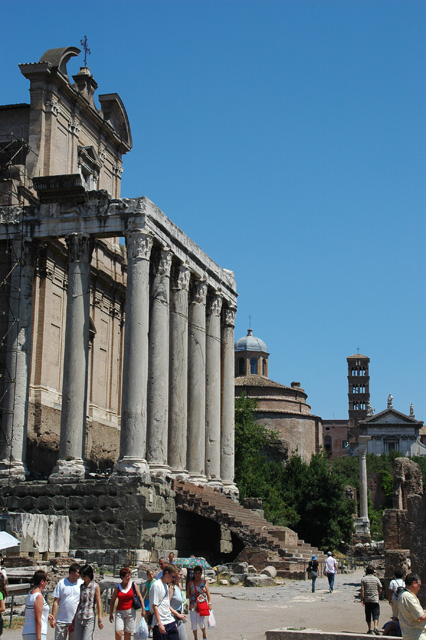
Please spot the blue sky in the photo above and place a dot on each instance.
(288, 139)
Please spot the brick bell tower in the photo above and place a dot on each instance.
(358, 387)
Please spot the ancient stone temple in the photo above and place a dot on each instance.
(112, 354)
(278, 407)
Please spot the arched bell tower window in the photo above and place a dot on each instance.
(241, 367)
(253, 366)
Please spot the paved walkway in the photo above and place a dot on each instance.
(244, 613)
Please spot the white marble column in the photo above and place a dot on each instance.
(135, 358)
(362, 524)
(70, 465)
(178, 401)
(228, 403)
(158, 369)
(18, 362)
(197, 382)
(213, 389)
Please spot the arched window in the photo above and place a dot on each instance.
(264, 366)
(253, 366)
(327, 443)
(241, 367)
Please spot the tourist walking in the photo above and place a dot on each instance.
(66, 598)
(90, 599)
(198, 594)
(313, 571)
(177, 601)
(145, 594)
(125, 614)
(3, 596)
(396, 585)
(411, 615)
(164, 625)
(161, 564)
(36, 609)
(371, 590)
(331, 569)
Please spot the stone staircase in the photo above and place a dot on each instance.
(264, 543)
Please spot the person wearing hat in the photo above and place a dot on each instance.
(313, 571)
(331, 569)
(371, 591)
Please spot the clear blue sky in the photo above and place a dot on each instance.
(288, 140)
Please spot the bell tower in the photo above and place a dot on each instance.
(358, 387)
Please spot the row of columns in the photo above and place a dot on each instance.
(178, 383)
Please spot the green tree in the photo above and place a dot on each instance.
(309, 498)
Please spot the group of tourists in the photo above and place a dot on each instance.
(77, 604)
(330, 570)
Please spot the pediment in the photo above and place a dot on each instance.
(115, 114)
(390, 416)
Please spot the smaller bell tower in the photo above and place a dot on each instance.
(358, 387)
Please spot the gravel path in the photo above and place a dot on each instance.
(244, 613)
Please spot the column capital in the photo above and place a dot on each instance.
(139, 244)
(199, 292)
(214, 305)
(229, 316)
(80, 247)
(164, 262)
(181, 278)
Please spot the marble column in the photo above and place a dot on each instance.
(158, 368)
(362, 524)
(70, 465)
(197, 382)
(135, 358)
(18, 363)
(178, 401)
(213, 389)
(228, 403)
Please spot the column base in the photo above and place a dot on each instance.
(129, 466)
(11, 472)
(197, 478)
(362, 525)
(68, 471)
(159, 471)
(214, 483)
(179, 474)
(231, 490)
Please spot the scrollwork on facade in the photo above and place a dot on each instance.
(74, 127)
(80, 247)
(52, 106)
(199, 292)
(117, 169)
(229, 316)
(214, 306)
(139, 245)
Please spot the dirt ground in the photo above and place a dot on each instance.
(244, 613)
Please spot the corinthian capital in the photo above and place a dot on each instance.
(164, 262)
(229, 316)
(181, 279)
(80, 247)
(139, 245)
(199, 292)
(214, 305)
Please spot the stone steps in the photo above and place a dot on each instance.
(249, 525)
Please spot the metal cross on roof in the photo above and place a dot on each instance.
(249, 322)
(86, 49)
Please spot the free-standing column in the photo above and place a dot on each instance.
(213, 389)
(197, 382)
(70, 466)
(228, 403)
(18, 361)
(135, 358)
(158, 372)
(178, 404)
(362, 524)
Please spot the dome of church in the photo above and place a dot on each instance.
(250, 343)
